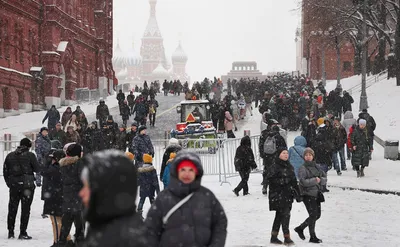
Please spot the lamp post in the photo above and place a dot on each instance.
(363, 97)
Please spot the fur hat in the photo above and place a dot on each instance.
(130, 155)
(309, 151)
(26, 143)
(74, 150)
(147, 159)
(172, 155)
(173, 141)
(320, 121)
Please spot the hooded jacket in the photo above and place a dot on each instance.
(71, 169)
(296, 153)
(112, 209)
(201, 221)
(244, 157)
(348, 121)
(66, 116)
(307, 178)
(172, 148)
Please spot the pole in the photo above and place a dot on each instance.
(363, 97)
(308, 57)
(323, 66)
(338, 63)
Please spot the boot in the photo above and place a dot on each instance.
(362, 172)
(246, 193)
(11, 234)
(358, 174)
(339, 173)
(288, 241)
(300, 232)
(315, 240)
(70, 243)
(324, 189)
(236, 192)
(275, 239)
(24, 236)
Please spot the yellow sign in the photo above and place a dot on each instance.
(190, 118)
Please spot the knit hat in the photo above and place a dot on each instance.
(141, 127)
(309, 151)
(173, 141)
(147, 159)
(362, 122)
(280, 150)
(26, 143)
(134, 124)
(320, 121)
(130, 155)
(43, 129)
(74, 150)
(172, 155)
(187, 163)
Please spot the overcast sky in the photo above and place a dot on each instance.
(214, 33)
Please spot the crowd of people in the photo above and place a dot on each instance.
(77, 187)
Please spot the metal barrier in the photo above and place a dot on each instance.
(217, 155)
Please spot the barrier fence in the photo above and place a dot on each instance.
(217, 155)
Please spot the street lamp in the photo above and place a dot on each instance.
(363, 96)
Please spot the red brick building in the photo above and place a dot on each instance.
(50, 48)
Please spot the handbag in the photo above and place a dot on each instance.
(321, 197)
(176, 207)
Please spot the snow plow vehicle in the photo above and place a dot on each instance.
(195, 126)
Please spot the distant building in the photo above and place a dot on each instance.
(49, 49)
(151, 64)
(243, 70)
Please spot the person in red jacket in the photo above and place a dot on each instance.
(349, 145)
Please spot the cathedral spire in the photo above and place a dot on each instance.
(153, 4)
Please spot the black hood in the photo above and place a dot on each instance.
(21, 149)
(113, 185)
(245, 141)
(176, 186)
(173, 148)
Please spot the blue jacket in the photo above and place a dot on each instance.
(165, 177)
(42, 148)
(148, 181)
(296, 153)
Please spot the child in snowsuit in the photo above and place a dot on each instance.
(148, 181)
(166, 173)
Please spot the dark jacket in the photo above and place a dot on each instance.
(279, 141)
(148, 181)
(308, 173)
(58, 135)
(282, 182)
(71, 169)
(53, 117)
(20, 165)
(120, 97)
(347, 101)
(244, 157)
(131, 99)
(74, 137)
(361, 140)
(52, 190)
(170, 149)
(112, 210)
(339, 137)
(201, 221)
(125, 111)
(66, 116)
(323, 147)
(92, 140)
(42, 148)
(121, 140)
(102, 111)
(129, 138)
(109, 131)
(141, 144)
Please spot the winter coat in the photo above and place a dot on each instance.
(153, 105)
(141, 144)
(131, 99)
(244, 157)
(125, 112)
(52, 190)
(166, 175)
(18, 166)
(42, 148)
(74, 137)
(102, 112)
(71, 169)
(148, 180)
(141, 109)
(296, 153)
(109, 131)
(282, 182)
(120, 97)
(308, 173)
(170, 149)
(112, 210)
(323, 147)
(361, 140)
(201, 221)
(92, 141)
(371, 125)
(228, 122)
(348, 121)
(129, 138)
(53, 117)
(279, 141)
(73, 124)
(347, 101)
(121, 140)
(66, 116)
(339, 138)
(58, 135)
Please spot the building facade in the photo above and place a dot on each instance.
(51, 48)
(152, 63)
(243, 70)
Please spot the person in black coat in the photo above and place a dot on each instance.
(58, 134)
(102, 112)
(121, 138)
(282, 183)
(202, 210)
(92, 139)
(244, 163)
(71, 169)
(173, 147)
(53, 116)
(109, 130)
(131, 101)
(125, 112)
(52, 192)
(131, 134)
(109, 201)
(347, 101)
(18, 170)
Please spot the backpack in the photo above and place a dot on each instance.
(270, 145)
